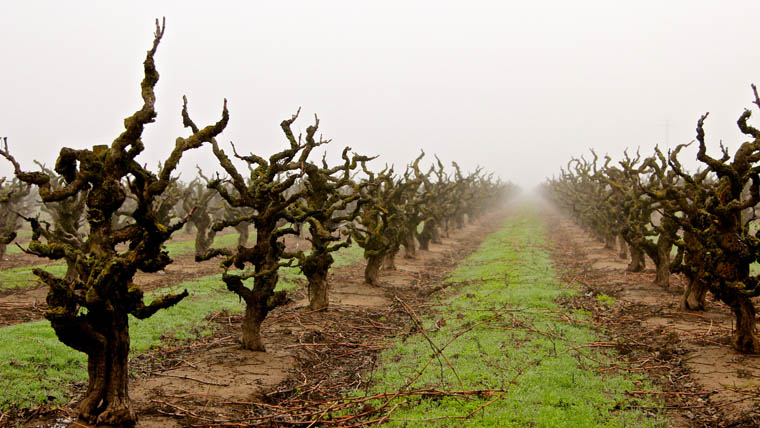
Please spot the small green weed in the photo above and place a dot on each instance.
(605, 300)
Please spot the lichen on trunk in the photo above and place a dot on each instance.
(372, 269)
(638, 261)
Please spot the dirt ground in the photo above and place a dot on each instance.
(705, 383)
(311, 356)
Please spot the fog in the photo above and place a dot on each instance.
(516, 87)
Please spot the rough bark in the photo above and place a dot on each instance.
(389, 262)
(107, 400)
(243, 230)
(429, 234)
(662, 262)
(459, 221)
(372, 269)
(694, 295)
(744, 338)
(436, 235)
(251, 329)
(318, 299)
(315, 267)
(13, 204)
(410, 249)
(204, 235)
(623, 252)
(265, 201)
(638, 262)
(609, 242)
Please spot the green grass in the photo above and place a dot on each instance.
(517, 342)
(22, 236)
(35, 368)
(12, 248)
(754, 269)
(22, 277)
(179, 248)
(605, 300)
(348, 256)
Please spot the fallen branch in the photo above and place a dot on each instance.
(185, 411)
(677, 393)
(193, 379)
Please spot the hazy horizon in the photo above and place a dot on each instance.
(517, 89)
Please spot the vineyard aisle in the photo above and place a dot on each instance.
(505, 345)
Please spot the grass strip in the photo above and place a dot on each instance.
(22, 277)
(498, 329)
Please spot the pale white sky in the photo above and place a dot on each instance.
(517, 87)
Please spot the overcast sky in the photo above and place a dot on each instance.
(517, 87)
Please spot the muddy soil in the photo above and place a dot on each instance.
(705, 383)
(310, 355)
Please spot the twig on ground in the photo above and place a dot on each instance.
(193, 379)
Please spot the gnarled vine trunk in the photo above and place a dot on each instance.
(262, 298)
(744, 338)
(694, 295)
(638, 262)
(662, 268)
(318, 291)
(204, 235)
(623, 253)
(609, 242)
(410, 247)
(389, 262)
(105, 341)
(437, 237)
(459, 221)
(316, 270)
(255, 313)
(243, 230)
(372, 269)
